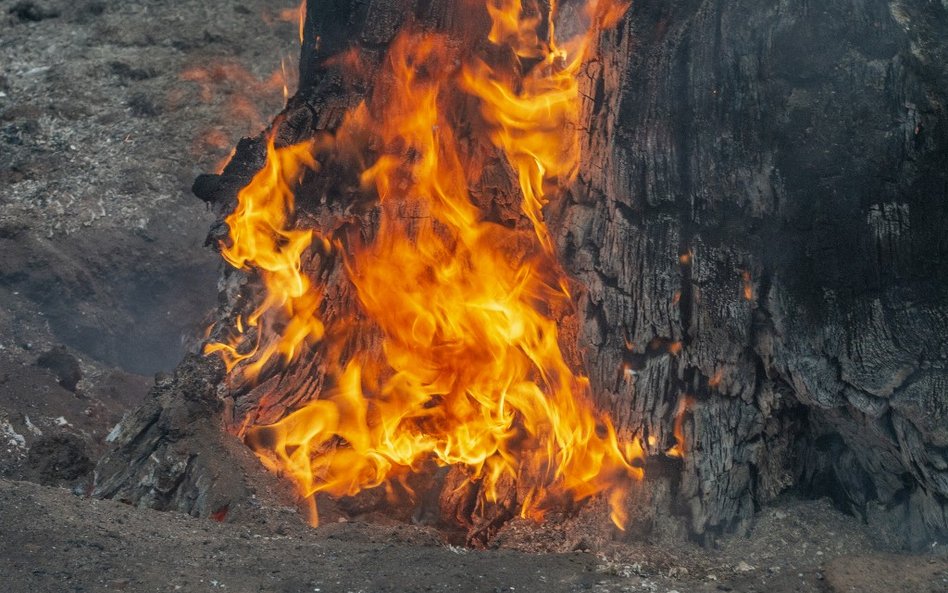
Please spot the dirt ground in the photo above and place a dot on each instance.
(108, 110)
(52, 541)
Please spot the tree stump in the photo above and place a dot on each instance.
(757, 232)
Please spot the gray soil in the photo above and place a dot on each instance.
(51, 541)
(105, 280)
(108, 110)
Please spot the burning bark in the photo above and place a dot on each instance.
(465, 366)
(745, 336)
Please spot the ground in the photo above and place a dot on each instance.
(51, 540)
(108, 110)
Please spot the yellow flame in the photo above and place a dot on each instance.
(260, 239)
(302, 20)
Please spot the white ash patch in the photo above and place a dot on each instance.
(743, 566)
(10, 436)
(32, 427)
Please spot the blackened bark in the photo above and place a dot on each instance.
(759, 225)
(173, 454)
(797, 156)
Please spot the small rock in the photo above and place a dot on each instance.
(11, 436)
(141, 105)
(32, 427)
(743, 567)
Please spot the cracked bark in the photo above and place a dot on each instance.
(798, 155)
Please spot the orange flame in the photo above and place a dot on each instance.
(716, 378)
(748, 286)
(473, 372)
(684, 404)
(535, 116)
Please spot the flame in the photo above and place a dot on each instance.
(262, 240)
(716, 378)
(222, 162)
(241, 95)
(748, 286)
(684, 404)
(241, 87)
(535, 116)
(471, 371)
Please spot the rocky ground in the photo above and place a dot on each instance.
(108, 110)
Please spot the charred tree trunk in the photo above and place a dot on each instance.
(766, 182)
(759, 228)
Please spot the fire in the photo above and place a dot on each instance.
(748, 287)
(471, 371)
(242, 88)
(716, 378)
(260, 239)
(684, 404)
(534, 115)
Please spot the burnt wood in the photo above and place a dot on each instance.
(798, 154)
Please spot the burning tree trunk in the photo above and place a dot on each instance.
(754, 236)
